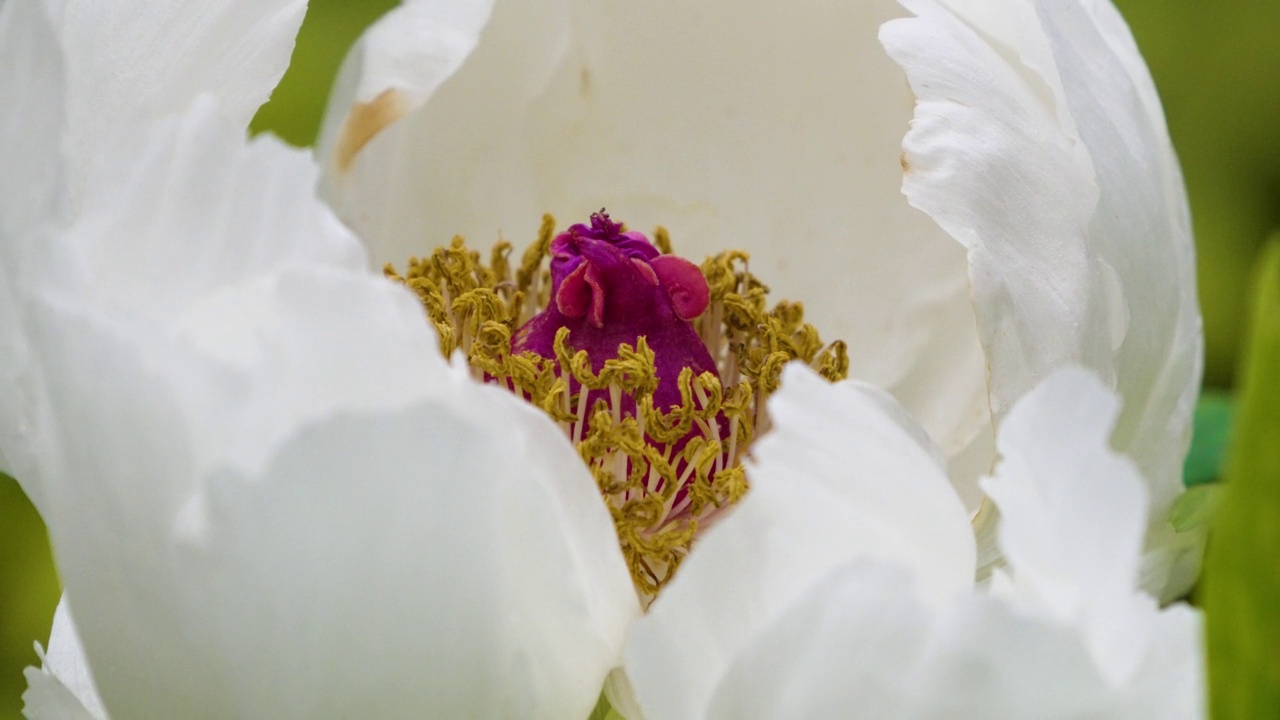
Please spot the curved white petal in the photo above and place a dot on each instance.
(1073, 514)
(79, 77)
(860, 644)
(1142, 227)
(841, 477)
(621, 696)
(993, 659)
(846, 649)
(31, 80)
(682, 115)
(274, 496)
(64, 686)
(394, 67)
(31, 131)
(1039, 143)
(853, 446)
(132, 61)
(46, 698)
(176, 214)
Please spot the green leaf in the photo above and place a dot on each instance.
(1209, 438)
(1195, 507)
(1242, 576)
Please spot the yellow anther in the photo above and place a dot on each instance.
(662, 240)
(661, 470)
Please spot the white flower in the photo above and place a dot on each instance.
(1054, 227)
(268, 498)
(860, 602)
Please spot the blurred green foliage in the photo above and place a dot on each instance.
(1217, 65)
(1218, 69)
(1210, 435)
(1242, 576)
(297, 105)
(28, 591)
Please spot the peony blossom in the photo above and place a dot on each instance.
(269, 496)
(1045, 221)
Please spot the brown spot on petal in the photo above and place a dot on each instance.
(906, 165)
(365, 121)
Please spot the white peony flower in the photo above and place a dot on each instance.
(1054, 227)
(267, 496)
(859, 600)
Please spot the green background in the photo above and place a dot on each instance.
(1240, 587)
(1217, 66)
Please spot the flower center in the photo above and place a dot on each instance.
(657, 369)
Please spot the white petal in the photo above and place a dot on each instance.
(395, 66)
(453, 556)
(1142, 228)
(120, 65)
(621, 696)
(839, 478)
(846, 649)
(681, 115)
(1174, 679)
(274, 497)
(30, 138)
(131, 61)
(852, 446)
(1073, 514)
(168, 220)
(1039, 144)
(207, 242)
(860, 644)
(46, 698)
(31, 79)
(171, 218)
(990, 659)
(65, 671)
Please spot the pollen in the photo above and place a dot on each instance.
(657, 370)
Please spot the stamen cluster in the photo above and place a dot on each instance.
(665, 469)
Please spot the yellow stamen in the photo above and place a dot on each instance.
(476, 307)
